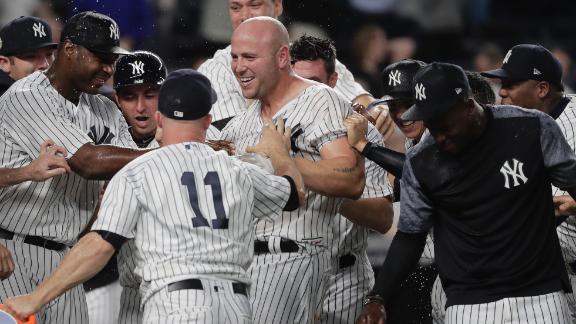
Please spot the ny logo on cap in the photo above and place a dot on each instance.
(114, 31)
(394, 78)
(38, 30)
(137, 67)
(507, 57)
(420, 91)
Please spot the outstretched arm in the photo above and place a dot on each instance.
(101, 162)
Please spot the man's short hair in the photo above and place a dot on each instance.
(310, 48)
(481, 89)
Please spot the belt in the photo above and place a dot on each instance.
(347, 260)
(237, 287)
(34, 240)
(286, 246)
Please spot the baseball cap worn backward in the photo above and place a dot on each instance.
(397, 79)
(437, 88)
(528, 62)
(25, 34)
(94, 31)
(186, 95)
(140, 67)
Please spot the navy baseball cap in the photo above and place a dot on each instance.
(438, 87)
(186, 95)
(397, 79)
(528, 62)
(94, 31)
(25, 34)
(140, 67)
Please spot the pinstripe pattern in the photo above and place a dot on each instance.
(347, 287)
(103, 307)
(199, 306)
(59, 208)
(130, 310)
(286, 286)
(231, 102)
(544, 309)
(318, 112)
(32, 265)
(438, 301)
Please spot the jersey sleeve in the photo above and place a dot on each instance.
(31, 117)
(559, 158)
(120, 208)
(213, 133)
(328, 125)
(271, 193)
(230, 100)
(377, 184)
(346, 85)
(124, 138)
(417, 211)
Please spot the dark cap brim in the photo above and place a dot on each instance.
(114, 50)
(26, 50)
(496, 74)
(416, 113)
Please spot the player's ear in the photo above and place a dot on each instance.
(543, 89)
(5, 64)
(333, 79)
(68, 48)
(284, 56)
(278, 8)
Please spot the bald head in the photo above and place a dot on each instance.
(266, 30)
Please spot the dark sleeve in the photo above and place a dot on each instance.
(292, 203)
(389, 160)
(114, 239)
(558, 156)
(402, 257)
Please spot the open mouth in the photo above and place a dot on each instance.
(244, 81)
(142, 118)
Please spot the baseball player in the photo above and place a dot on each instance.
(531, 77)
(42, 219)
(137, 80)
(26, 46)
(496, 248)
(291, 253)
(352, 276)
(194, 239)
(231, 102)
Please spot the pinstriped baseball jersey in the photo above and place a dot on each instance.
(126, 257)
(32, 111)
(349, 237)
(231, 102)
(191, 211)
(315, 117)
(567, 230)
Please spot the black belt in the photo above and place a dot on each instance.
(286, 246)
(237, 287)
(34, 240)
(347, 260)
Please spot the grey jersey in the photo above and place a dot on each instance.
(231, 102)
(32, 111)
(316, 118)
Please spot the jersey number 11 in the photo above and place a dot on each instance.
(211, 179)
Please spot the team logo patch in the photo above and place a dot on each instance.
(458, 90)
(137, 68)
(507, 57)
(394, 78)
(420, 91)
(114, 34)
(39, 30)
(513, 170)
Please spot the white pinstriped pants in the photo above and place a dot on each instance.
(346, 291)
(32, 265)
(130, 310)
(438, 302)
(103, 304)
(543, 309)
(206, 306)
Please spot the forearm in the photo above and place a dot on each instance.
(337, 177)
(101, 162)
(389, 160)
(284, 165)
(402, 257)
(84, 261)
(10, 177)
(373, 213)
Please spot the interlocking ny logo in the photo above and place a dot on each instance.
(114, 31)
(394, 78)
(38, 30)
(137, 67)
(420, 91)
(507, 56)
(515, 172)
